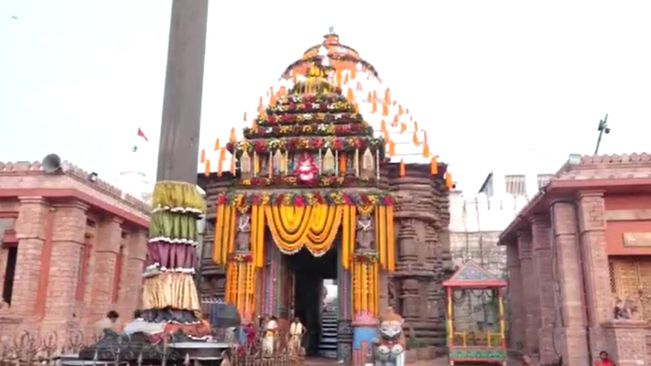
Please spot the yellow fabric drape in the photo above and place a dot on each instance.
(385, 237)
(240, 287)
(391, 241)
(365, 287)
(175, 290)
(257, 235)
(348, 235)
(224, 233)
(314, 227)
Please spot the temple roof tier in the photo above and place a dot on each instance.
(312, 129)
(315, 116)
(314, 143)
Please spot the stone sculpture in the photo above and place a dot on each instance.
(390, 342)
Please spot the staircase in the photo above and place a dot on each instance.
(328, 343)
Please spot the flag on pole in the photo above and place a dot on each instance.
(142, 134)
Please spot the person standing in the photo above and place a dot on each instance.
(604, 360)
(109, 322)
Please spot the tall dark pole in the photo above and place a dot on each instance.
(179, 140)
(603, 127)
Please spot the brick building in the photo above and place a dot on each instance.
(73, 248)
(580, 244)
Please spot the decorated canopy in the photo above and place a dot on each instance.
(472, 275)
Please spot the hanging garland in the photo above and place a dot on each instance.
(320, 181)
(297, 144)
(322, 129)
(337, 118)
(303, 198)
(312, 227)
(339, 106)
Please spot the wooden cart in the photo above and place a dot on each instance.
(464, 346)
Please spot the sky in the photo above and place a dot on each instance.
(506, 86)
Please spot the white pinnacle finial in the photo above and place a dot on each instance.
(331, 29)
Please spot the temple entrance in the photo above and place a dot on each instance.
(314, 278)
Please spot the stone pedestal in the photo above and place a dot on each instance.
(626, 342)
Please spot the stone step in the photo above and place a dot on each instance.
(328, 354)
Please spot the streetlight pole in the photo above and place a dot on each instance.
(603, 127)
(179, 141)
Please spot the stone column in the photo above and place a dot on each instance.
(134, 258)
(67, 248)
(626, 342)
(31, 233)
(179, 142)
(541, 235)
(109, 238)
(571, 331)
(515, 300)
(531, 300)
(592, 229)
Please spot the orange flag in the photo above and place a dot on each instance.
(207, 172)
(392, 148)
(385, 110)
(387, 97)
(222, 154)
(403, 127)
(434, 166)
(202, 158)
(349, 95)
(217, 145)
(448, 180)
(415, 139)
(402, 168)
(232, 139)
(383, 126)
(395, 121)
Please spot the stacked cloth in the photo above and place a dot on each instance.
(169, 291)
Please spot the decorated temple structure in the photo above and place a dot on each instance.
(314, 191)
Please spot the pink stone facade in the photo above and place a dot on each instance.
(72, 249)
(559, 252)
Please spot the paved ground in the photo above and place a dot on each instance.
(442, 361)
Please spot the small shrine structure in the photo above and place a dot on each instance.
(316, 191)
(466, 345)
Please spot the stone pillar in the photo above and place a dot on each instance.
(531, 301)
(364, 332)
(541, 235)
(131, 286)
(179, 142)
(109, 238)
(571, 331)
(31, 233)
(592, 229)
(67, 249)
(626, 342)
(515, 300)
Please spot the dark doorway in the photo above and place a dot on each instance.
(10, 272)
(309, 296)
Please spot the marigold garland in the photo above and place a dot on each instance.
(298, 144)
(305, 198)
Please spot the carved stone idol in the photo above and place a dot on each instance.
(242, 239)
(245, 165)
(368, 165)
(328, 163)
(365, 232)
